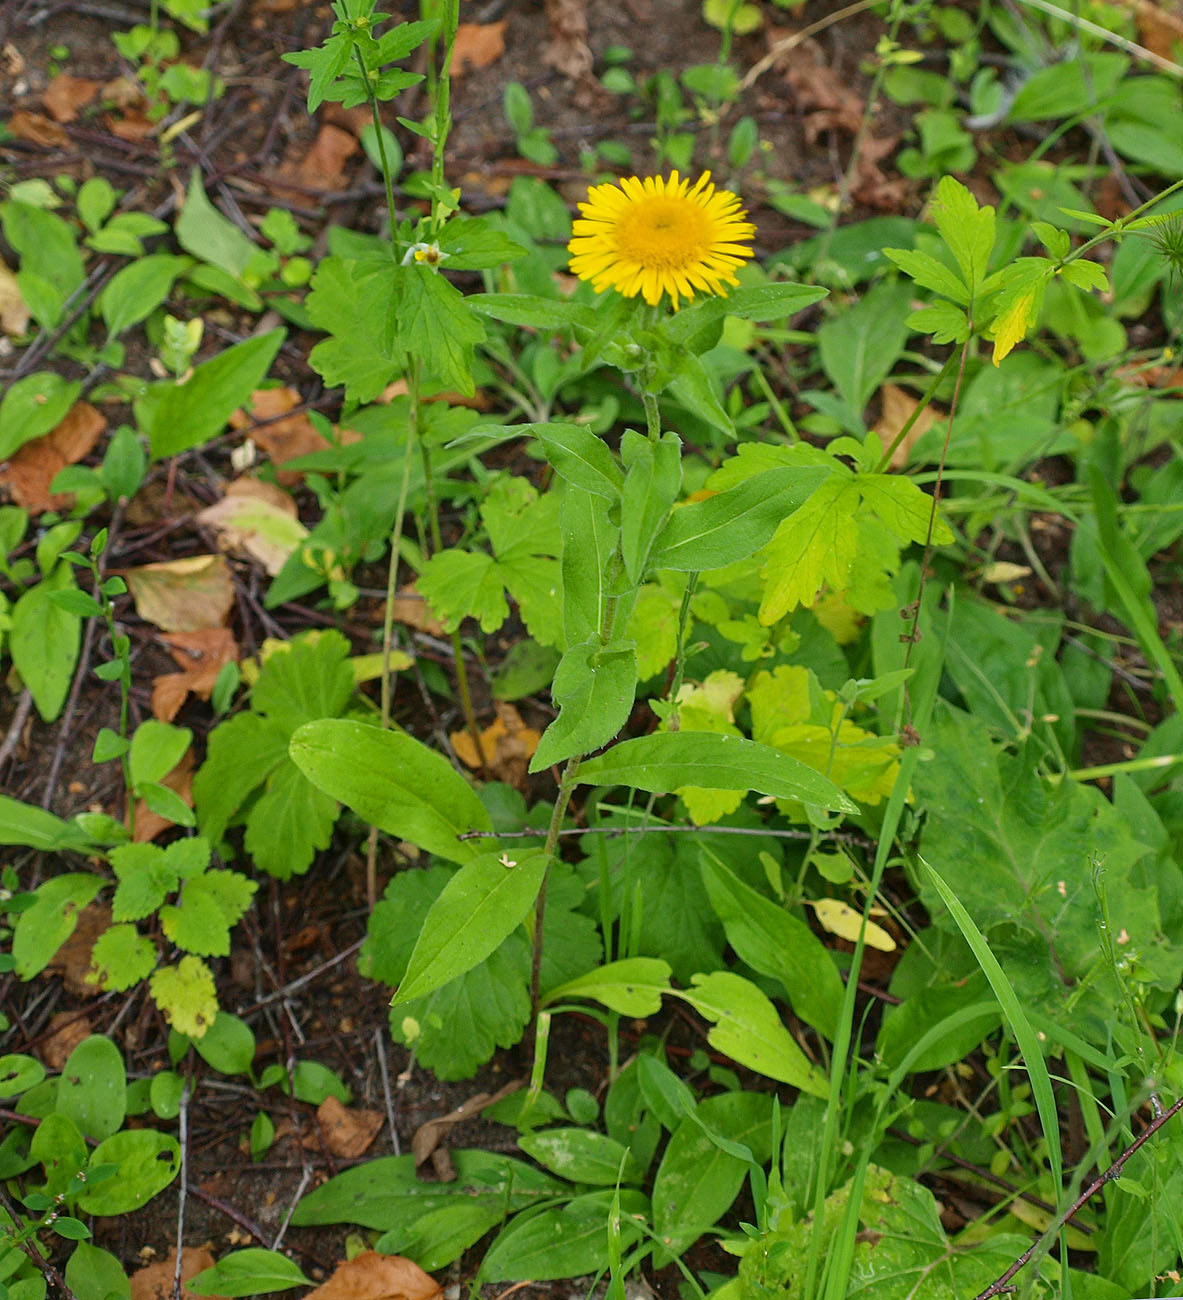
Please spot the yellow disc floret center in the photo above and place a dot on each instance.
(664, 232)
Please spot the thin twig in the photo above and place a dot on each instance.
(999, 1285)
(379, 1042)
(183, 1139)
(295, 984)
(24, 706)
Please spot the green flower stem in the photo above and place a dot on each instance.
(562, 799)
(387, 177)
(652, 414)
(443, 108)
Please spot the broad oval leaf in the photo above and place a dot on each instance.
(478, 908)
(148, 1161)
(394, 782)
(582, 1156)
(674, 760)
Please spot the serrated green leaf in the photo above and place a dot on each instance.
(945, 322)
(464, 584)
(122, 956)
(903, 507)
(436, 323)
(186, 994)
(472, 244)
(242, 751)
(305, 679)
(815, 545)
(289, 823)
(145, 880)
(356, 304)
(926, 271)
(966, 228)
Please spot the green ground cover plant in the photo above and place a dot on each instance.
(800, 709)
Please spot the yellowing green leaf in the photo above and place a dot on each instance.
(841, 919)
(185, 993)
(815, 545)
(1012, 325)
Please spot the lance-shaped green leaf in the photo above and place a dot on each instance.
(394, 782)
(735, 523)
(672, 760)
(589, 539)
(633, 986)
(759, 302)
(576, 455)
(746, 1026)
(478, 909)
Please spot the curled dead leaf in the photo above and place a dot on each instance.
(257, 518)
(72, 959)
(180, 781)
(431, 1133)
(508, 745)
(323, 166)
(29, 472)
(348, 1131)
(282, 436)
(201, 656)
(65, 95)
(412, 610)
(477, 46)
(34, 128)
(568, 50)
(65, 1031)
(155, 1282)
(897, 405)
(370, 1276)
(183, 595)
(14, 312)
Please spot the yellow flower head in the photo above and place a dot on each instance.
(656, 236)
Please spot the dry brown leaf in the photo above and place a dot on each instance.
(14, 314)
(122, 92)
(133, 126)
(477, 401)
(156, 1281)
(285, 436)
(36, 129)
(65, 95)
(508, 745)
(429, 1135)
(568, 51)
(72, 959)
(63, 1034)
(352, 119)
(180, 781)
(830, 103)
(257, 518)
(477, 46)
(323, 166)
(1158, 29)
(29, 472)
(897, 406)
(348, 1132)
(183, 595)
(201, 655)
(412, 610)
(370, 1276)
